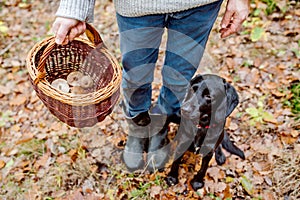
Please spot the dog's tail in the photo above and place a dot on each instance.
(231, 148)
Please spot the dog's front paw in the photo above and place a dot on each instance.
(171, 180)
(220, 158)
(196, 184)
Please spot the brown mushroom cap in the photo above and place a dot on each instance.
(77, 90)
(86, 82)
(61, 84)
(73, 78)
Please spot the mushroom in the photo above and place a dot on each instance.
(74, 78)
(77, 90)
(86, 82)
(61, 84)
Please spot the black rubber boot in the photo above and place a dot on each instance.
(159, 148)
(137, 141)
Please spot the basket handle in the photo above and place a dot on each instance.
(91, 33)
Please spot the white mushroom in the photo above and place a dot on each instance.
(74, 78)
(86, 82)
(61, 84)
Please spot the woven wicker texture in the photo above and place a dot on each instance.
(47, 61)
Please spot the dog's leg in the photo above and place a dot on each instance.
(172, 177)
(219, 155)
(230, 147)
(197, 182)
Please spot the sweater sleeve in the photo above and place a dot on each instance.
(82, 10)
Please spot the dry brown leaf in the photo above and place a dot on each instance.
(271, 120)
(24, 139)
(73, 154)
(214, 173)
(271, 85)
(77, 195)
(24, 164)
(56, 126)
(257, 166)
(287, 139)
(227, 193)
(268, 195)
(155, 191)
(4, 90)
(2, 164)
(278, 94)
(42, 161)
(15, 128)
(233, 126)
(220, 187)
(18, 100)
(295, 133)
(63, 159)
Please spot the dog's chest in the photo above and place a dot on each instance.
(207, 139)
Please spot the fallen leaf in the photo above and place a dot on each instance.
(233, 126)
(287, 139)
(73, 154)
(155, 190)
(2, 164)
(271, 85)
(77, 195)
(24, 140)
(220, 187)
(15, 128)
(268, 195)
(18, 100)
(295, 133)
(278, 94)
(4, 90)
(268, 181)
(214, 172)
(3, 28)
(257, 33)
(41, 162)
(56, 126)
(227, 193)
(247, 185)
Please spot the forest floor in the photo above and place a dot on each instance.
(43, 158)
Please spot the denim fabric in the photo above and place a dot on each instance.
(140, 38)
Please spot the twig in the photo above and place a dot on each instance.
(8, 47)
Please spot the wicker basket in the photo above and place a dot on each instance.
(48, 61)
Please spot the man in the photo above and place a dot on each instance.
(141, 25)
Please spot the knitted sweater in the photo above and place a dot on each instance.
(83, 10)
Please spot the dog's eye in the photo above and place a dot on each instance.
(195, 88)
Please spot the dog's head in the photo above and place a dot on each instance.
(209, 100)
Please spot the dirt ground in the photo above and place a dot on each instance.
(43, 158)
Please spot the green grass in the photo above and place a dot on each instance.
(295, 100)
(32, 148)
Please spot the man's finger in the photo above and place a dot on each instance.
(73, 33)
(233, 27)
(66, 40)
(55, 27)
(226, 19)
(61, 34)
(81, 27)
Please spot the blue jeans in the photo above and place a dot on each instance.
(140, 38)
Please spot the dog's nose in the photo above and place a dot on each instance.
(207, 99)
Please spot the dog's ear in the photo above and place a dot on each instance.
(232, 98)
(197, 79)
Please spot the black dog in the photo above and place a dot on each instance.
(209, 101)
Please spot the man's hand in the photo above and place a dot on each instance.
(66, 29)
(236, 13)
